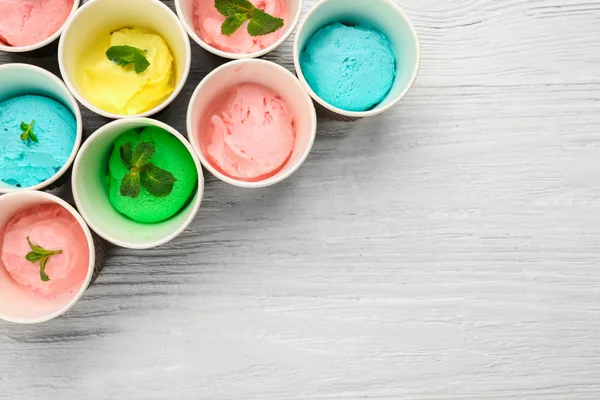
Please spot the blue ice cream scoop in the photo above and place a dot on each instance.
(350, 67)
(25, 163)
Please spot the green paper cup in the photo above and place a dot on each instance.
(91, 194)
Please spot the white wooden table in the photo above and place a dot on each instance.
(447, 250)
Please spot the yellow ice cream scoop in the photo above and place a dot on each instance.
(119, 89)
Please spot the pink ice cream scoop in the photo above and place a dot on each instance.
(249, 133)
(27, 22)
(51, 227)
(208, 21)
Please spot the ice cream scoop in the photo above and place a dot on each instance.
(256, 118)
(120, 89)
(249, 132)
(51, 228)
(344, 52)
(26, 163)
(27, 22)
(171, 156)
(351, 67)
(208, 21)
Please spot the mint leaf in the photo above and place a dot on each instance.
(232, 23)
(126, 55)
(38, 249)
(238, 11)
(126, 154)
(32, 135)
(43, 276)
(42, 255)
(32, 256)
(263, 23)
(142, 154)
(28, 131)
(130, 185)
(141, 63)
(231, 7)
(157, 181)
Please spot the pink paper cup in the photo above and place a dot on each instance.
(185, 10)
(45, 42)
(17, 303)
(267, 74)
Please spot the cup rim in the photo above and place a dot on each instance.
(91, 249)
(238, 56)
(45, 42)
(195, 204)
(78, 120)
(198, 149)
(339, 111)
(166, 102)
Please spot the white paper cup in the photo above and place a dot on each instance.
(98, 17)
(45, 42)
(17, 303)
(91, 195)
(185, 10)
(384, 15)
(25, 79)
(274, 77)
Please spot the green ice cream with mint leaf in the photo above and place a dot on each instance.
(151, 175)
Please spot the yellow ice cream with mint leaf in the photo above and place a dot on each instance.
(122, 89)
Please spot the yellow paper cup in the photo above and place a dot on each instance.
(98, 17)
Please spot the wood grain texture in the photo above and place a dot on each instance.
(447, 250)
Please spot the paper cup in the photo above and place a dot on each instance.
(384, 15)
(274, 77)
(25, 79)
(17, 303)
(185, 10)
(45, 42)
(91, 194)
(101, 16)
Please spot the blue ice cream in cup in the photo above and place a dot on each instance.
(349, 66)
(40, 128)
(356, 58)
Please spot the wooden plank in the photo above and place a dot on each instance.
(447, 250)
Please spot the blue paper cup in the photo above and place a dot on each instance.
(25, 79)
(388, 18)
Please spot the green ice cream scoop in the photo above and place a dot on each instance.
(171, 155)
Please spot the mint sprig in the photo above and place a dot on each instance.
(126, 55)
(157, 181)
(42, 255)
(239, 11)
(28, 131)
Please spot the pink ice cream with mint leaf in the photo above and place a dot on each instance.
(51, 227)
(208, 22)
